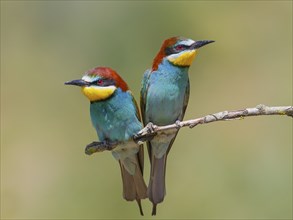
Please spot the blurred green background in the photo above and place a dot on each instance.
(239, 169)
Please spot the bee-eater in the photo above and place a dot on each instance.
(115, 116)
(164, 98)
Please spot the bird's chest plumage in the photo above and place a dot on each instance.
(115, 118)
(166, 96)
(105, 120)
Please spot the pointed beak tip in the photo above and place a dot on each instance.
(70, 83)
(199, 44)
(205, 42)
(78, 82)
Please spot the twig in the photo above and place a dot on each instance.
(151, 130)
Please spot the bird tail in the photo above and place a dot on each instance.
(134, 187)
(157, 187)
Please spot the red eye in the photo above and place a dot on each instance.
(99, 81)
(179, 47)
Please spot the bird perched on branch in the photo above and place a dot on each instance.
(115, 116)
(164, 98)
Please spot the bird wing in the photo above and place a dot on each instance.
(143, 95)
(181, 116)
(185, 102)
(140, 153)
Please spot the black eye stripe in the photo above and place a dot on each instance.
(176, 49)
(103, 82)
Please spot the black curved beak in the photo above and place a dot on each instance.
(77, 82)
(201, 43)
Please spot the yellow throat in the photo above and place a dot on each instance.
(184, 59)
(97, 93)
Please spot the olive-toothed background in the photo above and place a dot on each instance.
(238, 169)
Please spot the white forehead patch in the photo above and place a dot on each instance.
(187, 42)
(87, 78)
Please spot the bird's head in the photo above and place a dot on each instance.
(99, 83)
(179, 51)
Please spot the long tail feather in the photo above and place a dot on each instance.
(139, 206)
(154, 211)
(134, 187)
(157, 187)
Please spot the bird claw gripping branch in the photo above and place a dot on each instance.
(97, 146)
(146, 134)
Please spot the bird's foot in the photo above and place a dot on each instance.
(97, 146)
(178, 124)
(145, 134)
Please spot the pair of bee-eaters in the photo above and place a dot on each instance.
(115, 116)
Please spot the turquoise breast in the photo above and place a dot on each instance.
(115, 118)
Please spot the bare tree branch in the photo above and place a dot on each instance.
(151, 130)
